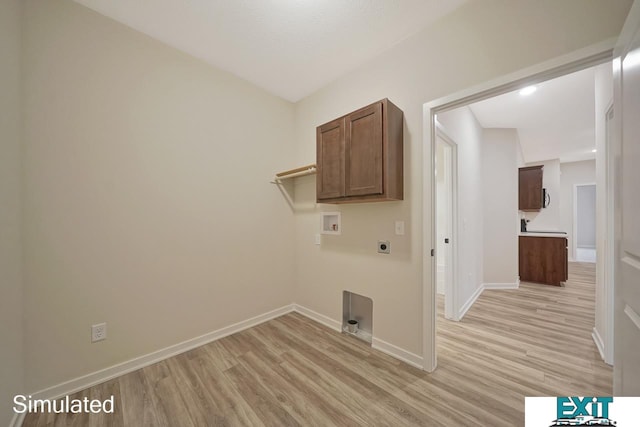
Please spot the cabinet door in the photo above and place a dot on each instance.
(330, 160)
(543, 260)
(363, 151)
(530, 188)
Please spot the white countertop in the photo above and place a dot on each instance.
(545, 234)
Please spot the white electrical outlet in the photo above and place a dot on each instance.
(400, 228)
(98, 332)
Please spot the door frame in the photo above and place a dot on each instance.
(612, 153)
(574, 231)
(451, 275)
(566, 64)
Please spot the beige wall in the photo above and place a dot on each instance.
(11, 368)
(500, 205)
(148, 204)
(571, 174)
(481, 41)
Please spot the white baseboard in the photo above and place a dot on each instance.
(467, 305)
(17, 420)
(598, 340)
(515, 285)
(114, 371)
(398, 353)
(103, 375)
(376, 343)
(320, 318)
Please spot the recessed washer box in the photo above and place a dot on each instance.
(331, 223)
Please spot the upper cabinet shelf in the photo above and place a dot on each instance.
(360, 157)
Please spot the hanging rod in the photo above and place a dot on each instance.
(295, 173)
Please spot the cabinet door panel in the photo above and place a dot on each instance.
(543, 260)
(530, 188)
(363, 152)
(330, 160)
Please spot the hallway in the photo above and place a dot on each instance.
(532, 341)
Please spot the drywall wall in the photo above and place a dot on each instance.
(463, 128)
(11, 367)
(571, 174)
(604, 237)
(147, 197)
(548, 219)
(500, 206)
(586, 217)
(476, 43)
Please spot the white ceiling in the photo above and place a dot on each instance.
(555, 122)
(291, 48)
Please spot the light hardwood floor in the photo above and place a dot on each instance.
(534, 341)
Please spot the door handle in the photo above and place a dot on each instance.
(446, 240)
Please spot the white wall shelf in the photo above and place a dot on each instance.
(295, 173)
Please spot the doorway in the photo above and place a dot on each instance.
(532, 76)
(584, 206)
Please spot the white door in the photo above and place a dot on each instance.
(446, 170)
(627, 288)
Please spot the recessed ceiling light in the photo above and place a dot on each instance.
(528, 90)
(594, 150)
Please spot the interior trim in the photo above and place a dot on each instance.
(398, 353)
(599, 343)
(17, 420)
(631, 314)
(320, 318)
(467, 305)
(514, 285)
(106, 374)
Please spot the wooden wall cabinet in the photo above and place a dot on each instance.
(530, 196)
(359, 156)
(543, 260)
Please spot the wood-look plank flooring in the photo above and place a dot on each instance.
(291, 371)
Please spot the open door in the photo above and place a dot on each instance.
(627, 288)
(446, 217)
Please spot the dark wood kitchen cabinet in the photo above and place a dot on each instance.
(359, 156)
(543, 260)
(530, 196)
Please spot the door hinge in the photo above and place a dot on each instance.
(433, 252)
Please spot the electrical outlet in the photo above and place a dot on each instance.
(98, 332)
(384, 247)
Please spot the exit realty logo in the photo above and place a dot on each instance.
(581, 411)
